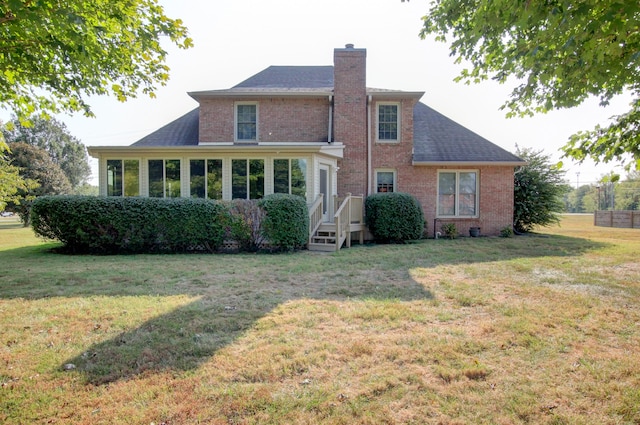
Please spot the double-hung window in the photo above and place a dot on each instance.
(123, 177)
(246, 122)
(458, 193)
(385, 181)
(388, 122)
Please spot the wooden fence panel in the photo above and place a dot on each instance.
(621, 219)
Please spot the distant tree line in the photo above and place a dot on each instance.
(609, 193)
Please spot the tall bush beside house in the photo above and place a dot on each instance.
(394, 217)
(246, 224)
(539, 188)
(86, 224)
(286, 221)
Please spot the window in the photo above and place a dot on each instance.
(290, 176)
(385, 181)
(205, 178)
(123, 177)
(164, 178)
(457, 193)
(388, 122)
(246, 122)
(247, 178)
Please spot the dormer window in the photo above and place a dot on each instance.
(388, 122)
(246, 122)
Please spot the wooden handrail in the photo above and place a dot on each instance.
(315, 215)
(342, 219)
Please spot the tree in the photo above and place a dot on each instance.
(35, 165)
(10, 180)
(538, 191)
(52, 136)
(55, 54)
(560, 52)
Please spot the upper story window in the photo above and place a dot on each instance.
(246, 121)
(458, 193)
(385, 181)
(388, 122)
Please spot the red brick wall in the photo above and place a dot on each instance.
(350, 118)
(279, 120)
(495, 196)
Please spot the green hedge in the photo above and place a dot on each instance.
(394, 217)
(286, 223)
(107, 225)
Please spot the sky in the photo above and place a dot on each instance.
(235, 39)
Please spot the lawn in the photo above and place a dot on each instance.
(540, 329)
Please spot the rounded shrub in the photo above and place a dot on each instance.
(286, 221)
(394, 217)
(108, 225)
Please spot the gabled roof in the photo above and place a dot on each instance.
(438, 139)
(182, 132)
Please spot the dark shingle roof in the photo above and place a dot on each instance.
(287, 77)
(437, 138)
(181, 132)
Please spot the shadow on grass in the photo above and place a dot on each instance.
(234, 292)
(188, 336)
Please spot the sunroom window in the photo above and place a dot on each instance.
(123, 177)
(164, 178)
(458, 193)
(205, 178)
(290, 176)
(247, 178)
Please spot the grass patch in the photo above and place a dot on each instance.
(533, 329)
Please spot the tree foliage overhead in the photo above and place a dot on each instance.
(52, 136)
(53, 55)
(560, 52)
(538, 191)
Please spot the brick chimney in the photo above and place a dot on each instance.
(350, 117)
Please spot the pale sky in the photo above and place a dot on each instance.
(238, 38)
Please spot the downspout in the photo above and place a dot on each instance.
(369, 171)
(330, 129)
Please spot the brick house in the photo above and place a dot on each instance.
(319, 132)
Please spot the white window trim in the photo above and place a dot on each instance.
(377, 129)
(235, 122)
(385, 170)
(457, 194)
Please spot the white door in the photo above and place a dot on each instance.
(325, 189)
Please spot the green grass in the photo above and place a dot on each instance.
(535, 329)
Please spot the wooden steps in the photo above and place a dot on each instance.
(324, 239)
